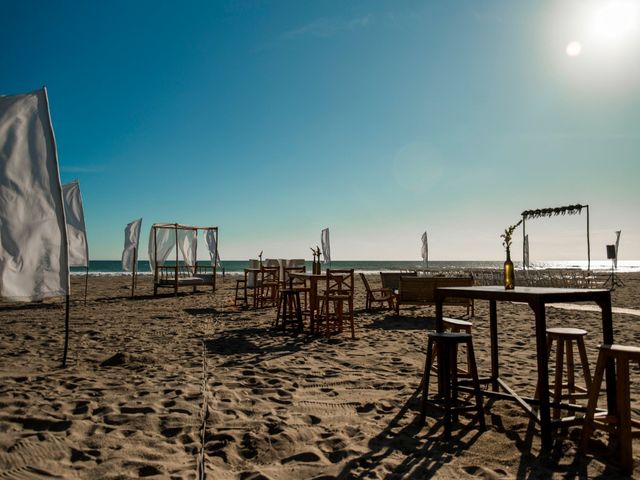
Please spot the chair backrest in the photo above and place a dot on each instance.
(391, 280)
(340, 281)
(423, 289)
(269, 275)
(365, 281)
(297, 269)
(417, 289)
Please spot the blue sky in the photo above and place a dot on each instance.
(377, 119)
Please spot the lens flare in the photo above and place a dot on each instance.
(574, 49)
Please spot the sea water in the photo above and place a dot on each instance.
(114, 267)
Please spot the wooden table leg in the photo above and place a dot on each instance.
(543, 373)
(493, 328)
(607, 339)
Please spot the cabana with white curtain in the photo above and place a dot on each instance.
(184, 269)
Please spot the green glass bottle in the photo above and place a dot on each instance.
(509, 273)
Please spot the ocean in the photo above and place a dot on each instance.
(114, 267)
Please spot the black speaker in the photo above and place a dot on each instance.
(611, 252)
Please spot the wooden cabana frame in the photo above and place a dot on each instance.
(551, 212)
(175, 276)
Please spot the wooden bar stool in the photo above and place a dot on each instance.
(454, 325)
(564, 338)
(447, 345)
(289, 305)
(619, 423)
(241, 287)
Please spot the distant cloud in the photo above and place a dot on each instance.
(329, 26)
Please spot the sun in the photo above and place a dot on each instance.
(574, 48)
(615, 20)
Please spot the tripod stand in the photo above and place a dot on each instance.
(612, 278)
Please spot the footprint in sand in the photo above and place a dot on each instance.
(311, 419)
(306, 457)
(483, 472)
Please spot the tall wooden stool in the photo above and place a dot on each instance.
(455, 325)
(289, 305)
(241, 287)
(620, 423)
(447, 345)
(564, 338)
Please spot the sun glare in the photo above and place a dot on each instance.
(574, 49)
(616, 20)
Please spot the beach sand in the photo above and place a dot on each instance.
(164, 386)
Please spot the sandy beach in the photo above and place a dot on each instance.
(164, 387)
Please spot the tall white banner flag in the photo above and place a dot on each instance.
(131, 240)
(76, 230)
(615, 260)
(34, 260)
(425, 250)
(326, 250)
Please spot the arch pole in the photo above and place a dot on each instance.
(588, 243)
(524, 247)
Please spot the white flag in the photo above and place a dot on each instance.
(76, 230)
(615, 260)
(425, 250)
(326, 250)
(131, 240)
(34, 260)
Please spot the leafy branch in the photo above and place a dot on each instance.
(508, 234)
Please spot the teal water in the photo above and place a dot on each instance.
(114, 267)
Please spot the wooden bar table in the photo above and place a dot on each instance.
(314, 301)
(536, 298)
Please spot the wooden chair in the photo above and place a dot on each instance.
(267, 287)
(378, 295)
(620, 423)
(339, 288)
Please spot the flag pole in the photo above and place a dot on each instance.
(86, 282)
(66, 334)
(133, 277)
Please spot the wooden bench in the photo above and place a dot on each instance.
(421, 291)
(176, 276)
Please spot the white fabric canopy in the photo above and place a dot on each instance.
(187, 240)
(34, 260)
(166, 242)
(131, 241)
(76, 230)
(326, 250)
(425, 249)
(211, 238)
